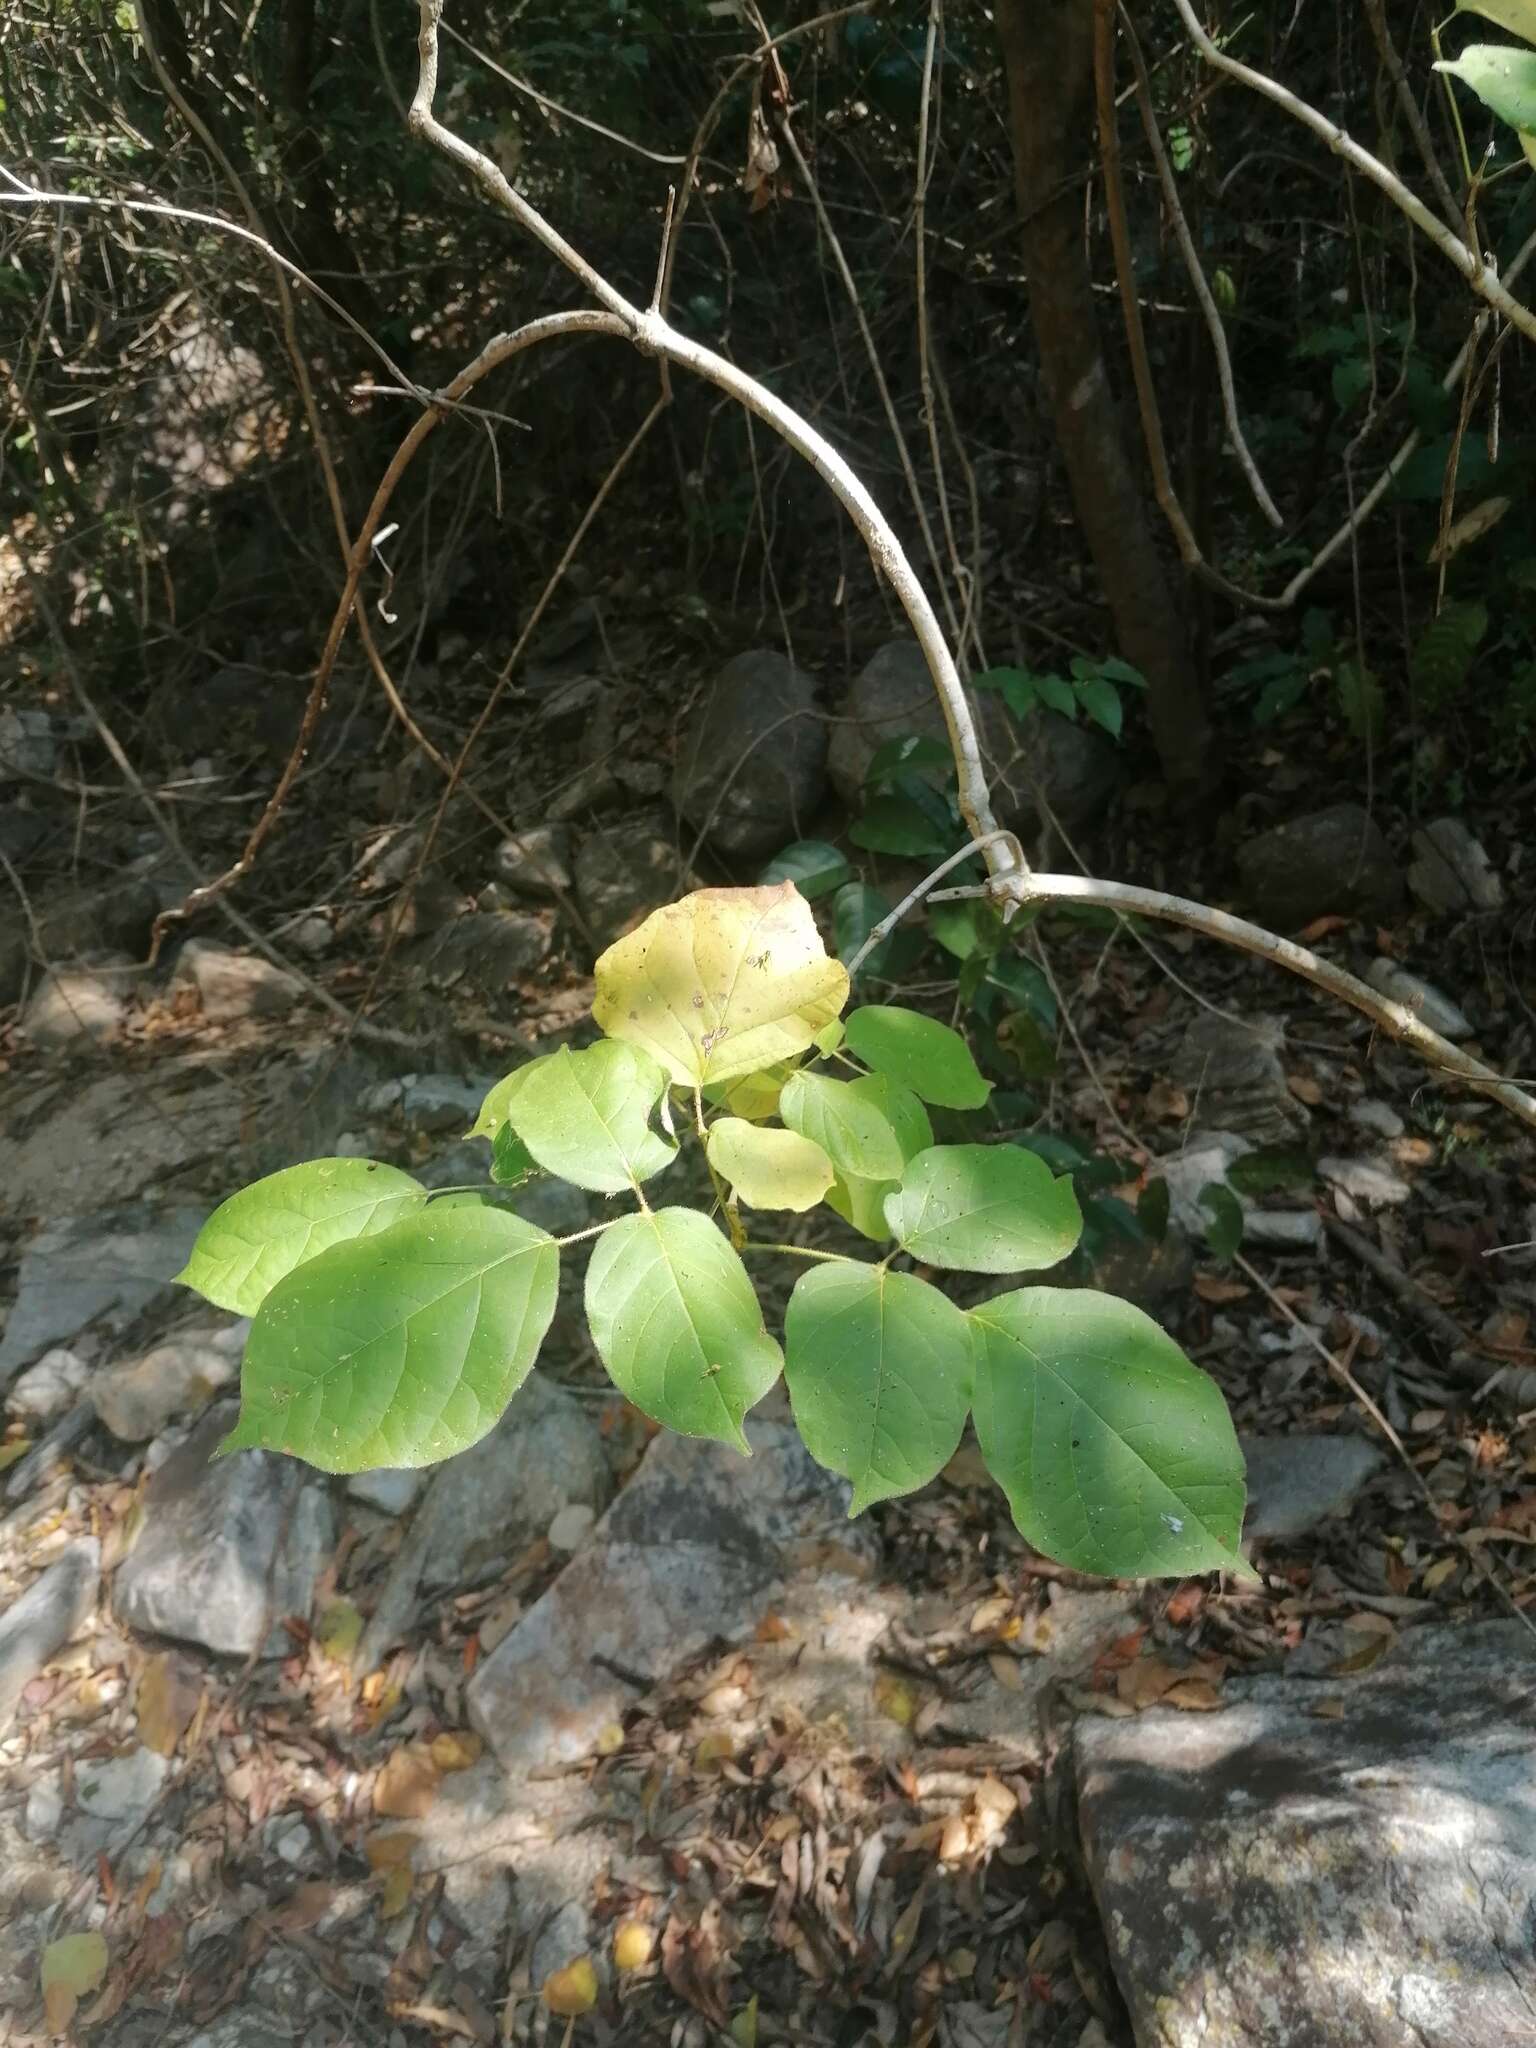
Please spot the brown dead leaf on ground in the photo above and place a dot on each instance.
(169, 1692)
(407, 1783)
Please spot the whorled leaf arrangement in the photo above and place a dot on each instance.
(392, 1326)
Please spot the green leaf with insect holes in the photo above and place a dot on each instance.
(676, 1321)
(878, 1366)
(260, 1235)
(984, 1209)
(399, 1349)
(1117, 1455)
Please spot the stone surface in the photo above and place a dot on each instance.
(26, 744)
(688, 1551)
(1451, 871)
(537, 862)
(1297, 1482)
(1336, 860)
(136, 1398)
(120, 1789)
(593, 788)
(1203, 1159)
(494, 1499)
(35, 1627)
(45, 1390)
(1375, 1182)
(1282, 1230)
(227, 1548)
(753, 767)
(1073, 768)
(232, 986)
(313, 935)
(390, 1490)
(103, 1270)
(77, 1005)
(1231, 1070)
(625, 871)
(1326, 1863)
(429, 1102)
(1379, 1117)
(488, 950)
(110, 913)
(1430, 1004)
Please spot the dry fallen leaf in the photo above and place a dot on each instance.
(1195, 1695)
(72, 1966)
(339, 1630)
(991, 1615)
(168, 1695)
(1440, 1572)
(407, 1784)
(456, 1749)
(572, 1991)
(633, 1945)
(1211, 1287)
(1305, 1089)
(895, 1699)
(1371, 1652)
(1005, 1670)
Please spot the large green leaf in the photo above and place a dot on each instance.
(676, 1321)
(767, 1168)
(812, 865)
(721, 983)
(1117, 1455)
(586, 1116)
(859, 1200)
(493, 1111)
(1518, 16)
(398, 1349)
(878, 1366)
(848, 1127)
(258, 1236)
(984, 1209)
(1503, 78)
(919, 1052)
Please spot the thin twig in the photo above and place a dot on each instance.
(910, 901)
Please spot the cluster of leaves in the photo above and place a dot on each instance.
(392, 1327)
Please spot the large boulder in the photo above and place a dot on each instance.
(754, 765)
(1336, 860)
(626, 870)
(1045, 761)
(1322, 1861)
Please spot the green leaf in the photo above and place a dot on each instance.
(1116, 1454)
(812, 865)
(1023, 984)
(260, 1235)
(1270, 1167)
(1518, 16)
(878, 1367)
(676, 1322)
(1057, 695)
(909, 752)
(856, 911)
(511, 1161)
(1152, 1206)
(722, 982)
(984, 1209)
(398, 1349)
(968, 931)
(1101, 700)
(586, 1116)
(894, 824)
(768, 1169)
(1360, 698)
(1442, 659)
(1224, 1232)
(920, 1053)
(861, 1201)
(1503, 78)
(493, 1111)
(846, 1124)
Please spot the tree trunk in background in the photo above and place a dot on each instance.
(1048, 54)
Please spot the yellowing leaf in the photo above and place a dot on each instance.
(407, 1784)
(714, 1748)
(755, 1096)
(13, 1452)
(1518, 16)
(339, 1630)
(895, 1699)
(396, 1895)
(167, 1699)
(387, 1849)
(572, 1991)
(721, 983)
(1470, 526)
(457, 1749)
(72, 1966)
(610, 1739)
(633, 1943)
(744, 2025)
(768, 1169)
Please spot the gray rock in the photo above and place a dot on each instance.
(593, 788)
(389, 1490)
(754, 763)
(38, 1625)
(73, 1005)
(1325, 1863)
(553, 1205)
(313, 936)
(1428, 1003)
(428, 1102)
(111, 913)
(1232, 1072)
(626, 871)
(1335, 860)
(26, 744)
(44, 1810)
(1282, 1230)
(227, 1548)
(1297, 1482)
(137, 1398)
(1371, 1181)
(537, 862)
(45, 1390)
(1451, 871)
(232, 986)
(1204, 1159)
(1379, 1117)
(1046, 760)
(687, 1551)
(101, 1270)
(501, 1494)
(491, 951)
(120, 1789)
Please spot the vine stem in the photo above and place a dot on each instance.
(910, 901)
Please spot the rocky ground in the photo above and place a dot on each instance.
(595, 1731)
